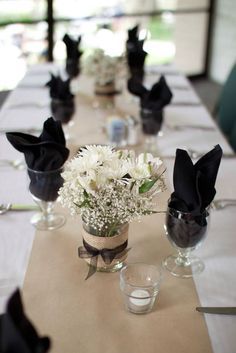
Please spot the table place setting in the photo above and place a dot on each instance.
(44, 156)
(97, 259)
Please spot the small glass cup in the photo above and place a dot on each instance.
(72, 67)
(185, 232)
(151, 126)
(140, 285)
(44, 186)
(63, 110)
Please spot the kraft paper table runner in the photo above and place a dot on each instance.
(89, 316)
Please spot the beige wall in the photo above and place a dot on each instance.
(223, 53)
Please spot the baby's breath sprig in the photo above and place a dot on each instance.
(109, 188)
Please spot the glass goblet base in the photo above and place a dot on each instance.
(48, 222)
(183, 267)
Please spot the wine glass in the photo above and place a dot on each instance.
(186, 232)
(63, 111)
(44, 186)
(151, 126)
(72, 67)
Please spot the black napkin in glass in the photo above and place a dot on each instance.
(62, 100)
(59, 89)
(45, 153)
(154, 99)
(136, 61)
(194, 190)
(135, 54)
(194, 184)
(132, 37)
(72, 47)
(17, 334)
(133, 43)
(73, 55)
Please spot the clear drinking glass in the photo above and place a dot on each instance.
(44, 186)
(151, 126)
(186, 232)
(140, 285)
(63, 110)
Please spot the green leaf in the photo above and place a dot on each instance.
(147, 185)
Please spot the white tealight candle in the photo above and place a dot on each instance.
(140, 297)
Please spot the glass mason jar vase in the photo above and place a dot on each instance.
(105, 95)
(106, 253)
(185, 232)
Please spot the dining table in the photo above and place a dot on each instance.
(89, 315)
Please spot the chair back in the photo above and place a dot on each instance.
(226, 112)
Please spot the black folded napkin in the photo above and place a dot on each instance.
(59, 89)
(45, 154)
(73, 55)
(62, 100)
(135, 54)
(154, 99)
(133, 43)
(194, 190)
(194, 184)
(72, 47)
(136, 60)
(133, 34)
(17, 334)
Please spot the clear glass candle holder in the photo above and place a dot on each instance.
(140, 285)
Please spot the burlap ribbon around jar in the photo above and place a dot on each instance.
(104, 254)
(106, 90)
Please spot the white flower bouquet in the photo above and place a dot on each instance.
(110, 188)
(101, 66)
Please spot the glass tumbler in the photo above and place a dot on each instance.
(140, 285)
(44, 186)
(151, 126)
(185, 232)
(63, 110)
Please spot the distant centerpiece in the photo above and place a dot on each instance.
(104, 69)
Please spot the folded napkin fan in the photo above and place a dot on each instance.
(59, 89)
(136, 59)
(72, 47)
(17, 334)
(133, 43)
(46, 155)
(154, 99)
(194, 184)
(133, 34)
(43, 153)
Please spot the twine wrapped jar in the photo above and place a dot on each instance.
(110, 251)
(105, 95)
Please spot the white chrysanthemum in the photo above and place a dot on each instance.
(103, 67)
(139, 171)
(97, 152)
(105, 186)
